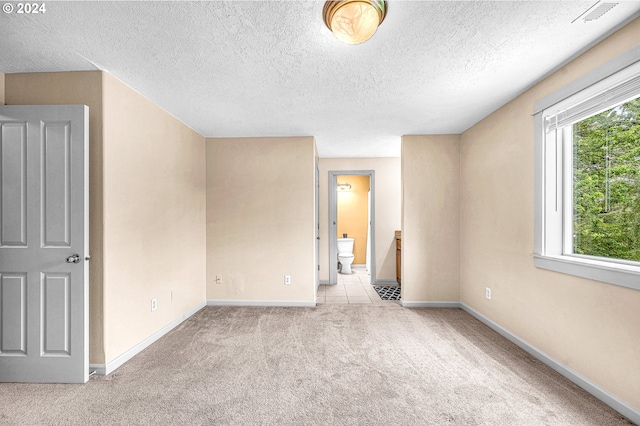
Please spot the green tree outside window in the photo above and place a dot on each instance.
(606, 183)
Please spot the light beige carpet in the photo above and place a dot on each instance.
(330, 365)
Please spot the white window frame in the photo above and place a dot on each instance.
(553, 241)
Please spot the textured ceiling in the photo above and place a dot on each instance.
(271, 68)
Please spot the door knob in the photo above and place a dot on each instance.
(74, 258)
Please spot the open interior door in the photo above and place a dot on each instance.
(44, 218)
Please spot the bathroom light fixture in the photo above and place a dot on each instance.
(354, 21)
(344, 187)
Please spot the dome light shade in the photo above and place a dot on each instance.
(354, 21)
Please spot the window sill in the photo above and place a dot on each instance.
(608, 272)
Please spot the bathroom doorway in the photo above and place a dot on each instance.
(363, 188)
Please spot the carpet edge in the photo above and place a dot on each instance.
(269, 303)
(111, 366)
(625, 409)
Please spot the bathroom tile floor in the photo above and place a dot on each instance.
(355, 288)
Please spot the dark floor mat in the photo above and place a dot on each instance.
(388, 292)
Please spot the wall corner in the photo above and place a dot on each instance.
(430, 218)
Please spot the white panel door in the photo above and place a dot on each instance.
(44, 217)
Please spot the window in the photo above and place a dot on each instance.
(606, 184)
(588, 176)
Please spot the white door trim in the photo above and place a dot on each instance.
(317, 231)
(333, 219)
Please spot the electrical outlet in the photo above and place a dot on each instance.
(487, 293)
(154, 304)
(218, 279)
(287, 279)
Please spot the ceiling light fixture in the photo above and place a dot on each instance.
(354, 21)
(344, 187)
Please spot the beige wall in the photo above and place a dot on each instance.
(430, 218)
(76, 88)
(1, 88)
(148, 202)
(154, 217)
(589, 326)
(260, 219)
(353, 214)
(387, 210)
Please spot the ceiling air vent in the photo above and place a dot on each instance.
(596, 11)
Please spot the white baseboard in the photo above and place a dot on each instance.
(108, 368)
(603, 395)
(284, 303)
(430, 304)
(325, 282)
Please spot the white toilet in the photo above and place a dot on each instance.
(345, 254)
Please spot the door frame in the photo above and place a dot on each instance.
(333, 219)
(317, 233)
